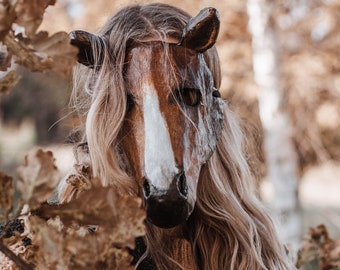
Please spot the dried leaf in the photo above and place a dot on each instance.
(24, 55)
(76, 183)
(26, 13)
(36, 51)
(6, 263)
(335, 254)
(37, 177)
(120, 221)
(8, 82)
(103, 207)
(5, 58)
(30, 14)
(7, 17)
(80, 178)
(319, 251)
(16, 241)
(44, 52)
(57, 52)
(130, 223)
(6, 195)
(69, 249)
(47, 245)
(65, 242)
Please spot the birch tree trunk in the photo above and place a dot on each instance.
(279, 150)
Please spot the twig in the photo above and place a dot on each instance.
(16, 259)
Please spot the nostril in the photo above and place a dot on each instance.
(146, 188)
(182, 184)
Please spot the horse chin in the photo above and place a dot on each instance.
(167, 214)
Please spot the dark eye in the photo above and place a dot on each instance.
(216, 93)
(130, 103)
(189, 96)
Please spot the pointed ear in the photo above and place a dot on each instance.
(86, 42)
(201, 31)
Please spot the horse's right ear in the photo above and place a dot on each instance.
(86, 42)
(201, 31)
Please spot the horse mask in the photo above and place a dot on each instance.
(173, 117)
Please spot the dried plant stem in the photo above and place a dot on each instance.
(16, 259)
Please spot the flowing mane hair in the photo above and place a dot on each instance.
(229, 228)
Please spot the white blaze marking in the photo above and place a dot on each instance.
(160, 166)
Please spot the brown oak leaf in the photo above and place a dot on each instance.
(5, 58)
(8, 81)
(104, 207)
(44, 52)
(319, 251)
(7, 17)
(6, 195)
(61, 55)
(64, 244)
(30, 14)
(70, 249)
(36, 51)
(26, 13)
(37, 177)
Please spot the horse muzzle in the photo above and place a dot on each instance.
(167, 208)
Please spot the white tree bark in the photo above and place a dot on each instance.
(279, 150)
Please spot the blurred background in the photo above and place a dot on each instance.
(304, 39)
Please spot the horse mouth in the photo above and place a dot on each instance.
(165, 213)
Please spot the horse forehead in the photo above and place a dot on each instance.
(163, 65)
(155, 54)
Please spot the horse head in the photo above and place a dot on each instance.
(173, 117)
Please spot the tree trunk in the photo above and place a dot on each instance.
(279, 150)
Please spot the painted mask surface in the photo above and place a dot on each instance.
(172, 126)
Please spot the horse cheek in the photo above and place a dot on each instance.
(133, 143)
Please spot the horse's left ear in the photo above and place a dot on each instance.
(85, 42)
(201, 31)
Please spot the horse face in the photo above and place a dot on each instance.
(173, 120)
(174, 114)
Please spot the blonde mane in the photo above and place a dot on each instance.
(229, 228)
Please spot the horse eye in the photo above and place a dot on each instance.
(130, 103)
(216, 93)
(189, 96)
